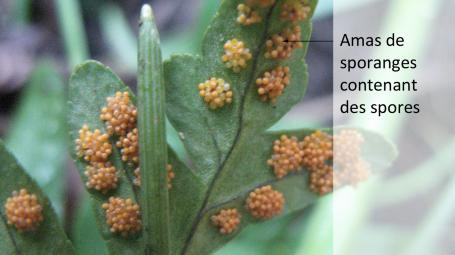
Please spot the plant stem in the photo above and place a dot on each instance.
(152, 142)
(72, 30)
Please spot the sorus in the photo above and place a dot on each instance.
(265, 202)
(295, 10)
(317, 149)
(236, 55)
(287, 156)
(129, 147)
(351, 174)
(347, 144)
(272, 83)
(119, 114)
(101, 176)
(23, 211)
(247, 16)
(122, 216)
(227, 220)
(280, 46)
(93, 146)
(321, 179)
(215, 92)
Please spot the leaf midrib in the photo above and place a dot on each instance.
(202, 210)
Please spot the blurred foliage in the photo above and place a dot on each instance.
(38, 136)
(72, 31)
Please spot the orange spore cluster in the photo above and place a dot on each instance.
(23, 211)
(287, 156)
(272, 84)
(119, 113)
(265, 202)
(280, 46)
(129, 146)
(93, 146)
(236, 55)
(215, 92)
(295, 10)
(122, 216)
(227, 220)
(101, 176)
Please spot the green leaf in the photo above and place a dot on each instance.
(49, 237)
(86, 238)
(42, 148)
(209, 135)
(220, 142)
(185, 198)
(152, 131)
(90, 84)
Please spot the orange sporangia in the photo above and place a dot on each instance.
(265, 202)
(23, 210)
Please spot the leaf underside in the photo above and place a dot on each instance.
(49, 237)
(228, 147)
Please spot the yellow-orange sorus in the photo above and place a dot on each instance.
(321, 179)
(272, 84)
(101, 176)
(247, 16)
(93, 146)
(265, 202)
(120, 114)
(295, 10)
(23, 210)
(236, 55)
(129, 147)
(350, 168)
(170, 176)
(347, 144)
(215, 92)
(317, 149)
(122, 216)
(287, 156)
(227, 220)
(280, 46)
(351, 174)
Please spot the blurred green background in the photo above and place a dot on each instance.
(41, 40)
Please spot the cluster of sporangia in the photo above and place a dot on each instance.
(264, 202)
(350, 168)
(216, 92)
(120, 115)
(290, 155)
(23, 210)
(319, 153)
